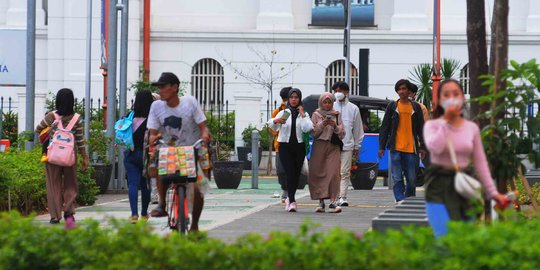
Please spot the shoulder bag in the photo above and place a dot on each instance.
(466, 186)
(335, 138)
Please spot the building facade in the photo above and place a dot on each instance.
(210, 44)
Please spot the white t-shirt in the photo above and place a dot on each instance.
(180, 123)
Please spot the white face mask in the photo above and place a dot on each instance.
(339, 96)
(452, 101)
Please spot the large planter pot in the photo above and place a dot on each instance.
(102, 176)
(228, 174)
(244, 154)
(365, 176)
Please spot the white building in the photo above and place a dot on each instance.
(196, 39)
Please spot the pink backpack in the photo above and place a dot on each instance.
(61, 150)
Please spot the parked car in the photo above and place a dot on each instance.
(372, 112)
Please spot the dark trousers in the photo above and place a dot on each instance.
(292, 157)
(282, 176)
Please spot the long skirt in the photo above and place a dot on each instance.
(324, 165)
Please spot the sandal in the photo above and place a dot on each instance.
(159, 211)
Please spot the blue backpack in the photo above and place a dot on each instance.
(124, 131)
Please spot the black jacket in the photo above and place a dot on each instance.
(387, 135)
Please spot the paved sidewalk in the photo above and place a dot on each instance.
(221, 205)
(364, 206)
(230, 213)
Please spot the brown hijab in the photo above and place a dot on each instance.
(323, 112)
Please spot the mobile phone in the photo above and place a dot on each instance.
(329, 117)
(285, 114)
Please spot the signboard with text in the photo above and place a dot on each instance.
(12, 57)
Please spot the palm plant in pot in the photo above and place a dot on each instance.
(227, 173)
(244, 152)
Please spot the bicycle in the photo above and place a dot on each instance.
(177, 199)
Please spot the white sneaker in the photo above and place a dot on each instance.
(292, 207)
(343, 202)
(337, 210)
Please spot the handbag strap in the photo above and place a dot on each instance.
(452, 154)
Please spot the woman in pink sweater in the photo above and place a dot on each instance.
(443, 203)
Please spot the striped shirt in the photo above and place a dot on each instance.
(78, 128)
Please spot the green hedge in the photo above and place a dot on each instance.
(22, 173)
(24, 244)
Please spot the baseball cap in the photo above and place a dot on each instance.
(166, 78)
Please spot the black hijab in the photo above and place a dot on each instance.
(294, 110)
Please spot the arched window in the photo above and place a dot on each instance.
(464, 79)
(335, 72)
(207, 83)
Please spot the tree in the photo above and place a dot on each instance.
(477, 48)
(497, 63)
(265, 75)
(421, 76)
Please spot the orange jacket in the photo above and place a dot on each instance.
(275, 133)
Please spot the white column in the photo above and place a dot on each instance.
(533, 20)
(16, 13)
(39, 110)
(411, 15)
(247, 111)
(40, 14)
(453, 16)
(4, 6)
(275, 15)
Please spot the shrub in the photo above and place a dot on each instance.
(22, 173)
(264, 136)
(9, 126)
(503, 245)
(221, 127)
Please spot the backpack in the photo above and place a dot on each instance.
(61, 149)
(124, 131)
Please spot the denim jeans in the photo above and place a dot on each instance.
(403, 164)
(134, 164)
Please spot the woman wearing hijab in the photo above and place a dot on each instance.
(61, 181)
(291, 124)
(323, 178)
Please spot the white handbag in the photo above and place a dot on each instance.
(305, 167)
(466, 186)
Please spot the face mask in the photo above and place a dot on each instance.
(339, 96)
(451, 101)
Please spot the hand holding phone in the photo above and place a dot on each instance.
(286, 114)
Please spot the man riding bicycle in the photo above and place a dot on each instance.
(178, 119)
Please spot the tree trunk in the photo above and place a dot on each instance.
(499, 61)
(476, 45)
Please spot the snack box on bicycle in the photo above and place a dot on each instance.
(177, 164)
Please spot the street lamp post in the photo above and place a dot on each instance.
(347, 42)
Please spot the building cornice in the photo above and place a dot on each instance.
(327, 36)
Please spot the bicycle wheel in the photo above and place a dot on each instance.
(181, 220)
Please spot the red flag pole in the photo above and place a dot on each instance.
(436, 77)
